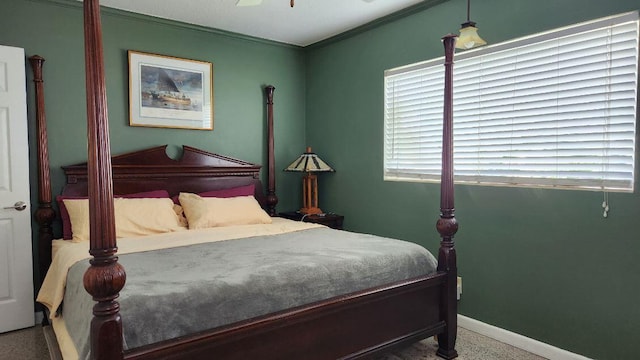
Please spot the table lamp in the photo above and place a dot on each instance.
(309, 163)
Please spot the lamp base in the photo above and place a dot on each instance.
(310, 195)
(310, 210)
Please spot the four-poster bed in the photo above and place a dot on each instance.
(355, 324)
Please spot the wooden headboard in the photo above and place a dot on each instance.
(151, 169)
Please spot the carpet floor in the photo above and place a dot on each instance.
(29, 344)
(470, 346)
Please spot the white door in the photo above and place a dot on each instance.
(16, 279)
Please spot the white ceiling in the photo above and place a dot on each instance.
(309, 21)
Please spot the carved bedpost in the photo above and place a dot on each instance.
(105, 277)
(44, 215)
(447, 225)
(272, 199)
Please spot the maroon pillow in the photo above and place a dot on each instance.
(67, 232)
(226, 193)
(231, 192)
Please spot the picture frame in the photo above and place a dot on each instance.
(170, 92)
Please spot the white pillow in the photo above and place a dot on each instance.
(134, 217)
(206, 212)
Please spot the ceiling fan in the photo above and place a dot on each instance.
(258, 2)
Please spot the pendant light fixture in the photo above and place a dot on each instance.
(469, 37)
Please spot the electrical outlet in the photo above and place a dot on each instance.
(459, 287)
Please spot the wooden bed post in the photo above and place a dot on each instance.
(105, 277)
(272, 199)
(45, 214)
(447, 225)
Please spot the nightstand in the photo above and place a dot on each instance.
(331, 220)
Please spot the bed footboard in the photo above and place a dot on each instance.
(358, 325)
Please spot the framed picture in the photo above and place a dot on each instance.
(170, 92)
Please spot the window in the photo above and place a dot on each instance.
(556, 109)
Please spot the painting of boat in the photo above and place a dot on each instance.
(170, 92)
(170, 88)
(183, 100)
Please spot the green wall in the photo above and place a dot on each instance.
(541, 263)
(242, 67)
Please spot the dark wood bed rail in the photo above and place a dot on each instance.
(314, 326)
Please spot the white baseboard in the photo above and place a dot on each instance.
(533, 346)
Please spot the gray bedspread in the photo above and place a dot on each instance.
(178, 291)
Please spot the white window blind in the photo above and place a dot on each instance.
(555, 109)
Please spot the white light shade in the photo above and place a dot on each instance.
(469, 37)
(309, 162)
